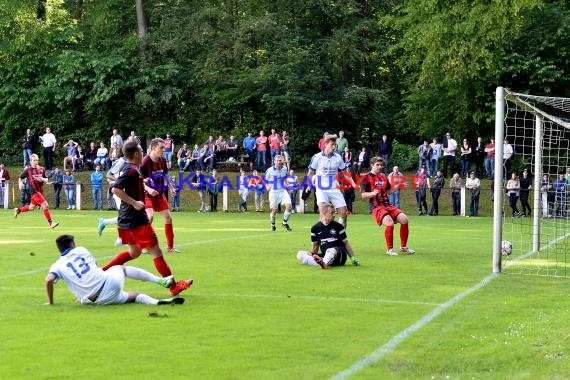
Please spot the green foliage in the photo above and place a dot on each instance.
(405, 156)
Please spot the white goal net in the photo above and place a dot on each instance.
(534, 189)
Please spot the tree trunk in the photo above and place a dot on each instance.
(41, 10)
(79, 9)
(141, 19)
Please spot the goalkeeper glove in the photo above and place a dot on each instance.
(355, 261)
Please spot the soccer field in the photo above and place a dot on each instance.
(254, 312)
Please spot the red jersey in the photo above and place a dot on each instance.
(377, 182)
(33, 175)
(156, 173)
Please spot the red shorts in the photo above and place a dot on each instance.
(158, 204)
(380, 212)
(142, 236)
(37, 199)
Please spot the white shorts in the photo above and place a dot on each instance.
(277, 197)
(112, 292)
(333, 196)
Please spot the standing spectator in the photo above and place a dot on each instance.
(424, 153)
(376, 189)
(513, 187)
(36, 177)
(347, 157)
(568, 175)
(292, 184)
(243, 190)
(363, 160)
(91, 156)
(438, 183)
(27, 146)
(525, 184)
(249, 149)
(199, 183)
(326, 165)
(547, 196)
(255, 184)
(231, 148)
(561, 188)
(284, 148)
(133, 136)
(465, 158)
(341, 142)
(168, 150)
(49, 143)
(134, 227)
(213, 190)
(490, 159)
(71, 149)
(261, 147)
(349, 193)
(79, 162)
(449, 148)
(175, 207)
(24, 187)
(116, 139)
(473, 184)
(422, 186)
(102, 156)
(56, 177)
(435, 155)
(155, 176)
(455, 185)
(278, 195)
(69, 189)
(221, 146)
(4, 178)
(274, 140)
(193, 158)
(507, 157)
(209, 158)
(479, 156)
(385, 151)
(330, 237)
(397, 182)
(97, 188)
(182, 156)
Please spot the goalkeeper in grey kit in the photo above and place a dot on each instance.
(330, 237)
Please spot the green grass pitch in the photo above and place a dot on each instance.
(254, 312)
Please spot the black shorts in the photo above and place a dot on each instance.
(339, 258)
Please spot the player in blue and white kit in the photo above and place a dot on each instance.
(91, 285)
(326, 165)
(275, 180)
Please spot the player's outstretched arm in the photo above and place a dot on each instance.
(50, 280)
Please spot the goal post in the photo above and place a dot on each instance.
(538, 130)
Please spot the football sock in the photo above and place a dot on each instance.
(162, 267)
(272, 219)
(110, 221)
(389, 236)
(120, 259)
(140, 274)
(169, 232)
(404, 232)
(26, 208)
(286, 215)
(306, 258)
(341, 221)
(47, 215)
(143, 298)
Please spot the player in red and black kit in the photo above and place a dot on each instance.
(154, 172)
(36, 176)
(375, 188)
(134, 227)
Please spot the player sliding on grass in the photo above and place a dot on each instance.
(91, 285)
(36, 176)
(330, 237)
(134, 227)
(375, 188)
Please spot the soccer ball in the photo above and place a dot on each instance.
(506, 247)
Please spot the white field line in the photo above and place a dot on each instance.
(389, 346)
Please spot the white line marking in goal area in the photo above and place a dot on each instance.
(389, 346)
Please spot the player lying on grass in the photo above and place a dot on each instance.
(91, 285)
(330, 236)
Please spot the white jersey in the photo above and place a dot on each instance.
(276, 178)
(326, 169)
(78, 268)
